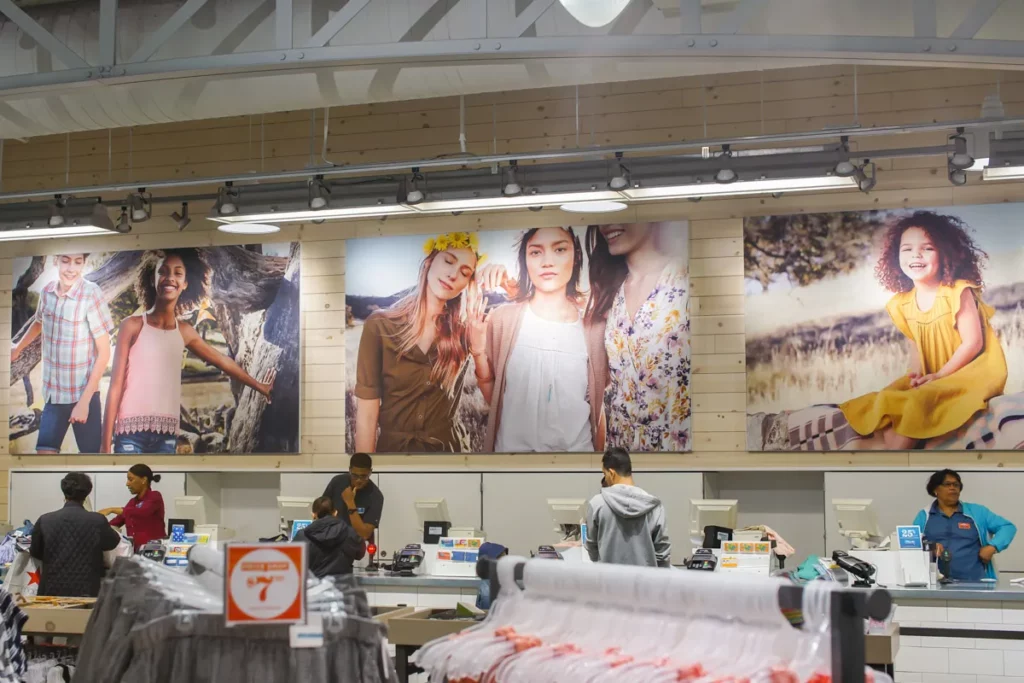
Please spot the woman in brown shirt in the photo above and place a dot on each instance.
(412, 357)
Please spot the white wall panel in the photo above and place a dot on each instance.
(898, 496)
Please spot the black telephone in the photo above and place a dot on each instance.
(858, 568)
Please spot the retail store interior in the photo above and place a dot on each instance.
(647, 312)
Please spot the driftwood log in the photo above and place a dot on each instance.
(244, 283)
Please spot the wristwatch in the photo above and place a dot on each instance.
(352, 511)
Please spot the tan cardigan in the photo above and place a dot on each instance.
(503, 329)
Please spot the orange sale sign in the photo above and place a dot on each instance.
(265, 583)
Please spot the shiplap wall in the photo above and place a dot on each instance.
(653, 111)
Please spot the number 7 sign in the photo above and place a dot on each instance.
(265, 583)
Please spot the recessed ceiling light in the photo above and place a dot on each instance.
(594, 207)
(248, 228)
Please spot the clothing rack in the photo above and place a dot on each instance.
(849, 609)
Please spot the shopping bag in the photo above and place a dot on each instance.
(23, 576)
(123, 549)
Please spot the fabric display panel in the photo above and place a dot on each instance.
(615, 624)
(536, 348)
(887, 330)
(152, 624)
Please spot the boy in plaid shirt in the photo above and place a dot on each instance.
(75, 324)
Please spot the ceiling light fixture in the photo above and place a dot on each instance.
(845, 168)
(511, 188)
(141, 204)
(319, 193)
(594, 207)
(248, 228)
(866, 176)
(370, 211)
(227, 200)
(412, 194)
(520, 202)
(181, 219)
(123, 224)
(1003, 173)
(960, 159)
(595, 13)
(65, 231)
(740, 188)
(957, 176)
(725, 174)
(622, 180)
(57, 211)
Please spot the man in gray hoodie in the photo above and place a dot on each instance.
(625, 524)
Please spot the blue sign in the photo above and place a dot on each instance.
(909, 537)
(298, 525)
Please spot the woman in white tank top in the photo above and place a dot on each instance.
(144, 398)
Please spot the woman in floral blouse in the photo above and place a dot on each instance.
(640, 286)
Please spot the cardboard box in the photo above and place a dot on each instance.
(418, 628)
(385, 614)
(881, 648)
(56, 620)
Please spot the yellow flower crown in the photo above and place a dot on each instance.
(454, 240)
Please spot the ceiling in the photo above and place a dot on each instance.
(75, 66)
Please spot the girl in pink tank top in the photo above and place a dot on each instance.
(144, 398)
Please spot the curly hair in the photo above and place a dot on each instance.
(960, 257)
(197, 275)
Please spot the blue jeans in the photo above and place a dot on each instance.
(145, 442)
(53, 427)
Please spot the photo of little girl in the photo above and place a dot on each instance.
(885, 330)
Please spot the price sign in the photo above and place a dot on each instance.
(909, 537)
(265, 583)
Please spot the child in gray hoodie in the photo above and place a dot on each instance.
(625, 524)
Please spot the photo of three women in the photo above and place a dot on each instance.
(546, 340)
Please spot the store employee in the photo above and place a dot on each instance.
(971, 533)
(356, 498)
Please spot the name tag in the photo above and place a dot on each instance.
(966, 526)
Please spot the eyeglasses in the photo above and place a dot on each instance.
(952, 485)
(360, 477)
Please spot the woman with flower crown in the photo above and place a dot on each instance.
(412, 356)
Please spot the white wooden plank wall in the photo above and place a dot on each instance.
(799, 99)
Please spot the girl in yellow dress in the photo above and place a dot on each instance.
(957, 364)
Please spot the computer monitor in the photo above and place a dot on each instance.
(292, 508)
(190, 507)
(705, 512)
(857, 521)
(431, 510)
(567, 514)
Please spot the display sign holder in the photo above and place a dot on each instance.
(265, 583)
(909, 538)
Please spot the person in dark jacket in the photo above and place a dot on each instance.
(70, 543)
(333, 544)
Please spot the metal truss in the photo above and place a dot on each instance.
(514, 40)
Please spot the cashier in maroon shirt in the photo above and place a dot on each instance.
(143, 515)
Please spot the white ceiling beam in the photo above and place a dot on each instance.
(154, 41)
(744, 12)
(108, 32)
(339, 21)
(530, 16)
(977, 17)
(43, 38)
(283, 24)
(925, 24)
(690, 12)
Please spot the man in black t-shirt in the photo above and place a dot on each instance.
(356, 498)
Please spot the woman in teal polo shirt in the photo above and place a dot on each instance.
(971, 533)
